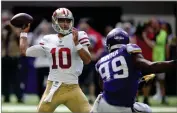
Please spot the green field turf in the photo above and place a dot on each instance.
(31, 99)
(31, 102)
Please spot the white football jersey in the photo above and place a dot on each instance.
(65, 62)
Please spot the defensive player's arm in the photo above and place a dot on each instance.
(82, 44)
(33, 51)
(149, 67)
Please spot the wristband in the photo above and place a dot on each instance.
(23, 34)
(79, 46)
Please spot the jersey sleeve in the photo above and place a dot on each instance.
(83, 38)
(44, 40)
(133, 48)
(35, 51)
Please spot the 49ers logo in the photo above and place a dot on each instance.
(61, 12)
(65, 12)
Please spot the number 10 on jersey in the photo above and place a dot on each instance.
(64, 62)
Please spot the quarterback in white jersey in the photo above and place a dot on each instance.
(65, 63)
(67, 52)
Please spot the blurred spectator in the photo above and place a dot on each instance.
(107, 29)
(171, 51)
(170, 36)
(138, 33)
(11, 79)
(127, 27)
(119, 25)
(147, 32)
(96, 49)
(172, 42)
(6, 15)
(159, 54)
(130, 29)
(41, 63)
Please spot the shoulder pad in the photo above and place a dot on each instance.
(133, 48)
(45, 39)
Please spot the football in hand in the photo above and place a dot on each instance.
(21, 20)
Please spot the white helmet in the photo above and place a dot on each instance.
(62, 13)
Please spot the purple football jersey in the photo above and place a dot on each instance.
(119, 75)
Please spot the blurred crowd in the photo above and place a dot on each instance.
(155, 37)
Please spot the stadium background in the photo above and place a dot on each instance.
(103, 13)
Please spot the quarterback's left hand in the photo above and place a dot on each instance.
(75, 36)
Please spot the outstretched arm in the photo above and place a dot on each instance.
(149, 67)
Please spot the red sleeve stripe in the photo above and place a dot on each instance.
(41, 43)
(84, 42)
(83, 39)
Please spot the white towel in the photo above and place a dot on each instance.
(54, 87)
